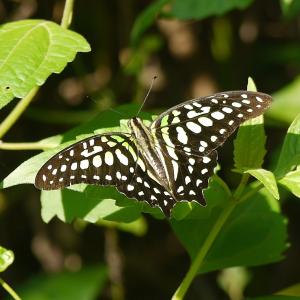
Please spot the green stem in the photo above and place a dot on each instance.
(23, 103)
(26, 146)
(9, 289)
(67, 14)
(16, 112)
(251, 193)
(196, 264)
(239, 190)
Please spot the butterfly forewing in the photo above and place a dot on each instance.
(201, 125)
(110, 159)
(96, 160)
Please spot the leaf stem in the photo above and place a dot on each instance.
(26, 146)
(16, 112)
(196, 264)
(239, 190)
(9, 289)
(67, 14)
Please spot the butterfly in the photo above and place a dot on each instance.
(169, 161)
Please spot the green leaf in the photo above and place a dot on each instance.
(293, 290)
(200, 9)
(290, 8)
(290, 153)
(90, 203)
(267, 178)
(215, 195)
(249, 145)
(292, 182)
(31, 50)
(254, 234)
(85, 284)
(286, 104)
(145, 20)
(6, 258)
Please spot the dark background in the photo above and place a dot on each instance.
(190, 58)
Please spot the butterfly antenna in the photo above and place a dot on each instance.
(145, 99)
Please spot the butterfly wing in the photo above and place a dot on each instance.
(189, 133)
(201, 125)
(108, 159)
(188, 173)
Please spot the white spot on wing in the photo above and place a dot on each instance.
(217, 115)
(213, 138)
(122, 158)
(180, 189)
(192, 114)
(236, 104)
(188, 106)
(84, 164)
(193, 127)
(187, 179)
(63, 168)
(74, 166)
(228, 110)
(130, 187)
(205, 121)
(175, 169)
(182, 137)
(97, 161)
(109, 158)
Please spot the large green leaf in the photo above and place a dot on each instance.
(30, 51)
(290, 153)
(249, 145)
(6, 258)
(254, 234)
(85, 284)
(200, 9)
(90, 204)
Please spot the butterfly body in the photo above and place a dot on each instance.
(148, 148)
(169, 161)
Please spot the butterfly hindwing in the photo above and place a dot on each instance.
(188, 173)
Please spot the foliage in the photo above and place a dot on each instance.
(241, 226)
(6, 258)
(81, 285)
(26, 63)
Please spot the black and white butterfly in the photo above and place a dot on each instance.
(169, 161)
